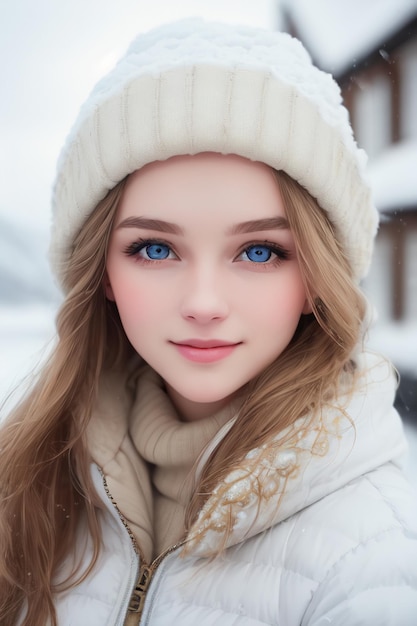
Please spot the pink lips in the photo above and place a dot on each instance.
(205, 351)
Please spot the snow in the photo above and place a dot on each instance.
(393, 176)
(340, 33)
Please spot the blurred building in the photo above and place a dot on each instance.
(370, 47)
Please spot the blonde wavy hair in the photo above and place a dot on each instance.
(45, 483)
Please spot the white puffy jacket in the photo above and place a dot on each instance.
(340, 549)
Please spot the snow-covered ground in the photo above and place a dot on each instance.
(27, 334)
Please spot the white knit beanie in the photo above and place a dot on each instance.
(194, 86)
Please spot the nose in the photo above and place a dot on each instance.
(204, 297)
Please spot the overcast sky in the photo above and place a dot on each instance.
(51, 54)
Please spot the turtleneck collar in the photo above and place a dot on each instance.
(148, 455)
(159, 434)
(172, 448)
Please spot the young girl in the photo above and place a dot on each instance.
(210, 443)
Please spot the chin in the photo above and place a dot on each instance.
(207, 395)
(207, 398)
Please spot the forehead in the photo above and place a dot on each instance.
(227, 188)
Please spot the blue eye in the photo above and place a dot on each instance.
(156, 251)
(265, 254)
(259, 253)
(150, 250)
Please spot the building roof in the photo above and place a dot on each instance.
(340, 33)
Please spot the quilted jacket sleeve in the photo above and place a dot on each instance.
(375, 583)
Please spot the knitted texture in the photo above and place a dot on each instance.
(195, 86)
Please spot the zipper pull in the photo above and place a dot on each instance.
(137, 599)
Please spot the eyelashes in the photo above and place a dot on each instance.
(155, 249)
(262, 253)
(152, 250)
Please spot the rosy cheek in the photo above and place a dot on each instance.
(121, 288)
(137, 299)
(121, 285)
(284, 299)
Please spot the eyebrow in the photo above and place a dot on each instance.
(151, 224)
(268, 223)
(251, 226)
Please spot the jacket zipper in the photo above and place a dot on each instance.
(146, 572)
(121, 516)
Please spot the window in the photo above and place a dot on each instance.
(410, 294)
(372, 114)
(408, 69)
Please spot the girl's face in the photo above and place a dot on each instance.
(203, 270)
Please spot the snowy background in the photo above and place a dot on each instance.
(51, 55)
